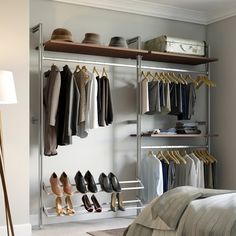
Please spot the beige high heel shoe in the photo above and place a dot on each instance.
(59, 210)
(69, 206)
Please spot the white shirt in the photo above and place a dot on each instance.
(144, 96)
(91, 120)
(200, 183)
(152, 178)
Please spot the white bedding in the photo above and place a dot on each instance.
(188, 211)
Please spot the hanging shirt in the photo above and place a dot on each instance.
(153, 97)
(64, 125)
(166, 103)
(199, 171)
(165, 168)
(81, 79)
(144, 96)
(151, 177)
(91, 119)
(185, 173)
(51, 100)
(104, 103)
(171, 175)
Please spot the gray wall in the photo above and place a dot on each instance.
(111, 148)
(14, 56)
(222, 36)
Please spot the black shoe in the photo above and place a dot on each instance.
(105, 183)
(120, 202)
(96, 204)
(80, 183)
(114, 182)
(90, 181)
(87, 204)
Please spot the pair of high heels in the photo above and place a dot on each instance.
(68, 210)
(109, 183)
(85, 183)
(56, 185)
(88, 206)
(119, 198)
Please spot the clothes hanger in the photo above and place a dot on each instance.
(180, 156)
(177, 78)
(171, 157)
(150, 74)
(209, 156)
(158, 77)
(104, 73)
(200, 156)
(84, 68)
(182, 78)
(165, 79)
(188, 77)
(77, 68)
(95, 71)
(172, 78)
(204, 79)
(160, 157)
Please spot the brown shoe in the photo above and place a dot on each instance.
(55, 185)
(120, 202)
(67, 187)
(113, 202)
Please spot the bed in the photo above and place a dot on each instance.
(188, 211)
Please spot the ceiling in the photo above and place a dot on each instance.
(196, 11)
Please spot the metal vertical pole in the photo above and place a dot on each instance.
(40, 68)
(139, 59)
(208, 103)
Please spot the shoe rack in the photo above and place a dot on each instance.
(139, 56)
(131, 185)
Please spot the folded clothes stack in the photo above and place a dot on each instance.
(164, 131)
(187, 128)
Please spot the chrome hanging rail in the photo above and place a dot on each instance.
(175, 147)
(123, 65)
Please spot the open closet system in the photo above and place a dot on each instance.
(125, 53)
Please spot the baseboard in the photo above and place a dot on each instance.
(82, 217)
(20, 230)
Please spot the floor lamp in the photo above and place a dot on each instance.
(7, 96)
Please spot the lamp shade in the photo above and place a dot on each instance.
(7, 88)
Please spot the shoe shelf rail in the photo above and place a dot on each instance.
(137, 182)
(79, 209)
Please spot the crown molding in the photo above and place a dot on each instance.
(221, 16)
(143, 7)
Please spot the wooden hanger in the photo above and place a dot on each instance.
(172, 78)
(95, 71)
(200, 156)
(104, 73)
(204, 79)
(180, 156)
(188, 77)
(159, 157)
(169, 154)
(150, 75)
(182, 79)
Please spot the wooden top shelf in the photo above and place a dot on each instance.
(98, 50)
(177, 135)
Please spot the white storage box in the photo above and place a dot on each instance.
(176, 45)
